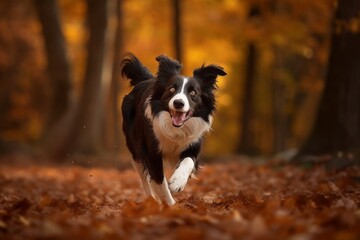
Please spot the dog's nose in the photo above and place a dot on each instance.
(178, 104)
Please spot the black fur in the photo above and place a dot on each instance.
(134, 70)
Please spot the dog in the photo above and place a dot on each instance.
(164, 121)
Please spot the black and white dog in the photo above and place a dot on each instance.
(164, 120)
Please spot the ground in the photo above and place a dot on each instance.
(232, 200)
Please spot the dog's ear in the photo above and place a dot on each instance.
(167, 67)
(208, 74)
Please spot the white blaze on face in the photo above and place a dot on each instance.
(181, 96)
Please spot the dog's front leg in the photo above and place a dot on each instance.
(181, 175)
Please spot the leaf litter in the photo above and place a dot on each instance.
(227, 201)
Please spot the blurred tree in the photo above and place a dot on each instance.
(337, 126)
(57, 61)
(84, 133)
(278, 85)
(279, 91)
(112, 119)
(247, 144)
(91, 122)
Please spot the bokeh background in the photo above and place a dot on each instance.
(60, 83)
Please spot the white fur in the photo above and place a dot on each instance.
(181, 175)
(173, 140)
(181, 96)
(148, 112)
(161, 192)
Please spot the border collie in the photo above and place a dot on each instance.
(164, 120)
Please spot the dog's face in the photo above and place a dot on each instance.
(186, 97)
(183, 98)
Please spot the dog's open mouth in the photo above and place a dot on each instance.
(179, 118)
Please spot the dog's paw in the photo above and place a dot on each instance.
(181, 175)
(178, 182)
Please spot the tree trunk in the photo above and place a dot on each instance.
(279, 117)
(85, 132)
(112, 119)
(177, 30)
(337, 126)
(246, 144)
(57, 60)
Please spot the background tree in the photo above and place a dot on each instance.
(112, 129)
(83, 135)
(246, 143)
(337, 126)
(57, 61)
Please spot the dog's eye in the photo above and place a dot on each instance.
(172, 89)
(192, 93)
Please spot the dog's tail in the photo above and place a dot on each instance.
(133, 69)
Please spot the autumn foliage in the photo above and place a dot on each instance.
(227, 201)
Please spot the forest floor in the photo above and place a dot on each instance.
(230, 200)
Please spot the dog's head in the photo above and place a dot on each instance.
(185, 97)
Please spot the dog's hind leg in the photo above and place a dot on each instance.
(144, 174)
(156, 179)
(161, 192)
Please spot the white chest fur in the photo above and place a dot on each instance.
(173, 140)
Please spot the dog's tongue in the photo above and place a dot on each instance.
(178, 118)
